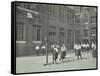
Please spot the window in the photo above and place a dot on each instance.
(85, 15)
(37, 19)
(86, 33)
(69, 36)
(77, 18)
(61, 14)
(36, 33)
(50, 12)
(77, 35)
(70, 17)
(93, 19)
(93, 30)
(84, 10)
(84, 18)
(61, 35)
(52, 34)
(69, 39)
(20, 32)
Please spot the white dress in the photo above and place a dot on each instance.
(37, 48)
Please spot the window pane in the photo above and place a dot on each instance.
(38, 34)
(77, 19)
(52, 34)
(93, 19)
(20, 31)
(86, 33)
(61, 35)
(77, 36)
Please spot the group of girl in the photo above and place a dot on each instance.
(55, 51)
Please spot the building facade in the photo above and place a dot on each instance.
(40, 23)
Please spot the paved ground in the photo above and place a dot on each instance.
(35, 63)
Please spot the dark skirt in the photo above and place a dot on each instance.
(63, 54)
(55, 55)
(78, 53)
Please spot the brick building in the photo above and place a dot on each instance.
(55, 23)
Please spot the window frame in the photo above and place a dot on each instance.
(23, 40)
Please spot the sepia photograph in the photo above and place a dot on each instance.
(55, 37)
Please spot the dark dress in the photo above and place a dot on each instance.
(55, 54)
(63, 54)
